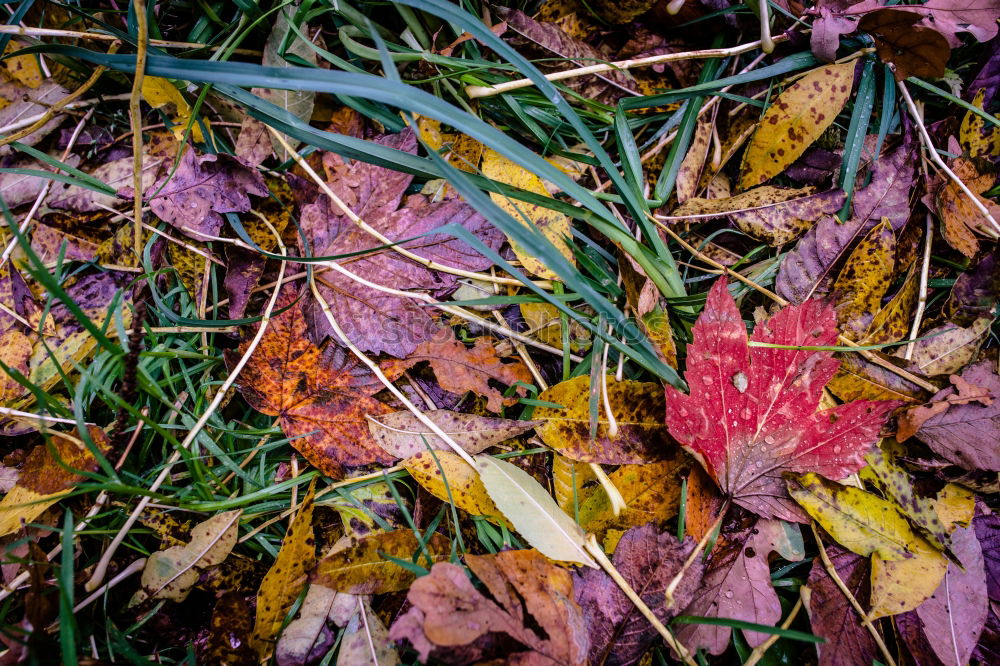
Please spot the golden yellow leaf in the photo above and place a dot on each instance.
(902, 585)
(860, 521)
(286, 578)
(795, 120)
(864, 279)
(892, 322)
(449, 478)
(23, 69)
(554, 225)
(978, 139)
(568, 480)
(160, 93)
(360, 567)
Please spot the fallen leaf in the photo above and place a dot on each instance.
(806, 271)
(961, 220)
(860, 521)
(403, 435)
(366, 640)
(648, 559)
(286, 578)
(832, 616)
(976, 139)
(798, 116)
(736, 585)
(374, 320)
(50, 472)
(532, 512)
(909, 49)
(161, 94)
(638, 411)
(974, 294)
(281, 43)
(966, 434)
(308, 633)
(751, 413)
(253, 143)
(554, 225)
(954, 616)
(987, 528)
(689, 174)
(533, 605)
(864, 280)
(228, 639)
(899, 586)
(892, 321)
(948, 348)
(171, 573)
(860, 379)
(31, 103)
(775, 215)
(361, 566)
(460, 369)
(116, 174)
(202, 187)
(321, 398)
(449, 478)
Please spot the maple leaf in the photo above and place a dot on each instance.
(751, 414)
(321, 397)
(375, 320)
(203, 186)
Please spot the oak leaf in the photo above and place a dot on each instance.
(321, 397)
(532, 602)
(751, 413)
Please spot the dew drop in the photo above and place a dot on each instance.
(707, 379)
(746, 413)
(729, 594)
(837, 448)
(769, 439)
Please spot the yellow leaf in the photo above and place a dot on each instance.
(976, 138)
(864, 279)
(859, 521)
(286, 578)
(171, 573)
(651, 493)
(23, 69)
(451, 479)
(892, 322)
(362, 567)
(902, 585)
(955, 505)
(568, 480)
(638, 408)
(554, 225)
(160, 93)
(795, 120)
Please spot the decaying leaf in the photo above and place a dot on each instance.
(360, 566)
(910, 49)
(376, 320)
(459, 368)
(976, 137)
(171, 573)
(864, 280)
(322, 398)
(403, 435)
(797, 117)
(449, 478)
(366, 640)
(638, 411)
(49, 473)
(286, 578)
(648, 559)
(948, 348)
(533, 605)
(751, 413)
(553, 225)
(961, 221)
(831, 614)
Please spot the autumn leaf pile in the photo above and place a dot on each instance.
(330, 339)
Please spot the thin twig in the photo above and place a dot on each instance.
(934, 157)
(832, 572)
(925, 267)
(100, 36)
(489, 91)
(758, 652)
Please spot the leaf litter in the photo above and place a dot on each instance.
(327, 401)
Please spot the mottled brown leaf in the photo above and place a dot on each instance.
(360, 566)
(909, 49)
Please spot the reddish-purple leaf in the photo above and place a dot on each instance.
(807, 270)
(204, 186)
(751, 413)
(648, 559)
(967, 435)
(831, 614)
(737, 585)
(374, 320)
(975, 293)
(954, 616)
(987, 528)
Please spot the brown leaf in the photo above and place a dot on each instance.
(320, 398)
(961, 220)
(528, 591)
(228, 640)
(402, 434)
(909, 49)
(459, 368)
(648, 559)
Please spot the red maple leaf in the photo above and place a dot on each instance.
(751, 413)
